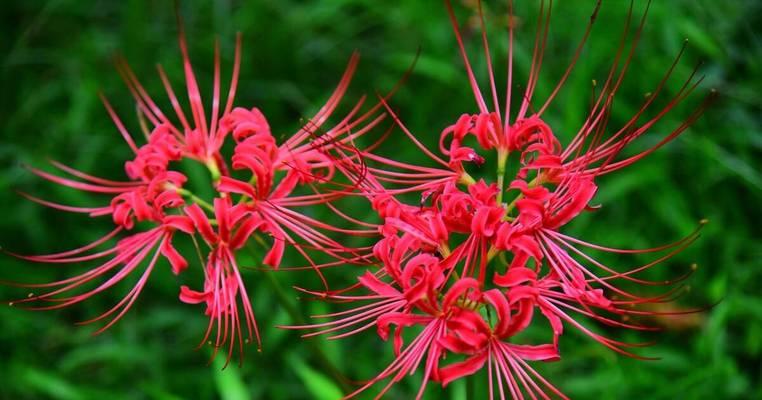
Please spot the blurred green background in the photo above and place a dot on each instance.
(58, 54)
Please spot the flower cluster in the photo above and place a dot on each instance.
(258, 196)
(459, 267)
(468, 267)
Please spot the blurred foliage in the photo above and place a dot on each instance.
(58, 54)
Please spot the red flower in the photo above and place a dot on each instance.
(471, 335)
(461, 269)
(142, 203)
(223, 283)
(154, 203)
(463, 253)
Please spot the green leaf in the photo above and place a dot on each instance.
(44, 382)
(228, 380)
(317, 384)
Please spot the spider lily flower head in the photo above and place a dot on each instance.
(476, 262)
(154, 203)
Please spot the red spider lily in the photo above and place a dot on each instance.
(446, 264)
(154, 203)
(470, 334)
(223, 283)
(434, 316)
(141, 203)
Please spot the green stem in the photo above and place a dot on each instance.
(502, 158)
(512, 204)
(471, 387)
(187, 193)
(214, 170)
(466, 179)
